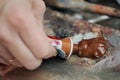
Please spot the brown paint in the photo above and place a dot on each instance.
(75, 48)
(92, 47)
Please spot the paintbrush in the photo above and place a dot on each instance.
(86, 6)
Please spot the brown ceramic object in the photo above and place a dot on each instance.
(67, 46)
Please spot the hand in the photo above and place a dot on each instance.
(23, 41)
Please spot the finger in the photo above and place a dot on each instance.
(10, 38)
(20, 51)
(30, 32)
(37, 40)
(4, 53)
(4, 61)
(39, 10)
(34, 36)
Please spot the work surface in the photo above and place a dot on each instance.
(54, 69)
(72, 69)
(58, 69)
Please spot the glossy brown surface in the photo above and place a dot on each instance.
(66, 46)
(90, 48)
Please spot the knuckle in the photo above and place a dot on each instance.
(42, 6)
(19, 19)
(2, 37)
(5, 39)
